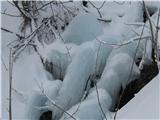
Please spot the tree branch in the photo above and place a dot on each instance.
(10, 83)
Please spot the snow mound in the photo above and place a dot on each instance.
(90, 109)
(57, 58)
(83, 27)
(75, 81)
(113, 72)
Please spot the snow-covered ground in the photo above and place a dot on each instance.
(28, 69)
(145, 104)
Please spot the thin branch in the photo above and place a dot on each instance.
(150, 23)
(4, 29)
(4, 64)
(125, 42)
(99, 103)
(135, 32)
(104, 20)
(11, 32)
(144, 54)
(137, 24)
(69, 11)
(11, 15)
(26, 42)
(156, 36)
(98, 8)
(20, 10)
(119, 3)
(44, 5)
(10, 83)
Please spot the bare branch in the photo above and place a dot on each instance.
(150, 23)
(98, 8)
(97, 93)
(20, 10)
(125, 42)
(69, 11)
(4, 64)
(10, 83)
(4, 13)
(156, 36)
(44, 5)
(104, 20)
(9, 31)
(99, 103)
(119, 3)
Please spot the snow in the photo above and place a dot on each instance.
(113, 72)
(83, 27)
(89, 108)
(89, 47)
(35, 100)
(145, 104)
(56, 59)
(74, 82)
(152, 6)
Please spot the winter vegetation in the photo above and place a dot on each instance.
(80, 60)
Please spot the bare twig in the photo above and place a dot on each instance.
(136, 24)
(10, 83)
(98, 8)
(11, 15)
(66, 8)
(119, 3)
(4, 64)
(104, 20)
(156, 36)
(150, 23)
(123, 43)
(11, 32)
(44, 5)
(144, 54)
(99, 103)
(135, 32)
(27, 40)
(20, 10)
(4, 29)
